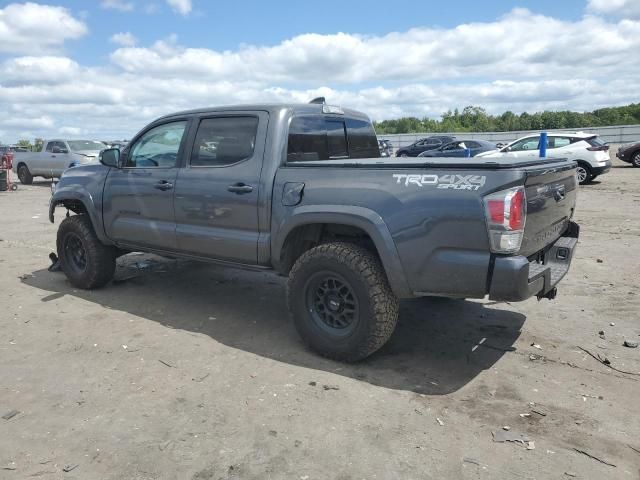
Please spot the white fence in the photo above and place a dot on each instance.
(617, 134)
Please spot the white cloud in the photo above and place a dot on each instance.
(126, 39)
(420, 72)
(559, 47)
(183, 7)
(23, 28)
(621, 8)
(121, 5)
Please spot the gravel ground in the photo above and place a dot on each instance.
(181, 370)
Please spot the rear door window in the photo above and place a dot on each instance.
(224, 141)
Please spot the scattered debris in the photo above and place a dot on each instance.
(68, 468)
(331, 387)
(606, 362)
(474, 462)
(200, 379)
(598, 397)
(571, 474)
(633, 448)
(55, 263)
(599, 260)
(537, 411)
(10, 415)
(630, 344)
(165, 363)
(440, 422)
(525, 415)
(535, 345)
(594, 458)
(473, 349)
(313, 384)
(165, 445)
(506, 428)
(11, 466)
(613, 324)
(531, 445)
(510, 436)
(273, 433)
(534, 356)
(297, 443)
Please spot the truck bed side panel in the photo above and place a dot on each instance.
(434, 216)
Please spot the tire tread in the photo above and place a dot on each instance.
(384, 303)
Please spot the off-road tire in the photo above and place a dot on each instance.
(25, 175)
(100, 259)
(377, 312)
(635, 159)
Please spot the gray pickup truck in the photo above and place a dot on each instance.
(301, 190)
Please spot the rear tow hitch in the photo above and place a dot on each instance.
(550, 295)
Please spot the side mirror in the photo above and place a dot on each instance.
(110, 157)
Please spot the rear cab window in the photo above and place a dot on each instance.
(325, 137)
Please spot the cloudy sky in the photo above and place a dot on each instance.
(102, 69)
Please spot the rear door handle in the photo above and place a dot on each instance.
(163, 185)
(240, 188)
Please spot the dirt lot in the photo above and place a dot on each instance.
(180, 370)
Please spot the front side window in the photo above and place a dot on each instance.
(530, 143)
(158, 147)
(50, 146)
(224, 141)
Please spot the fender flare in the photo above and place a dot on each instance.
(348, 215)
(63, 195)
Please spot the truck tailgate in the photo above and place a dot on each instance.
(551, 198)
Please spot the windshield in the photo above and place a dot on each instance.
(80, 145)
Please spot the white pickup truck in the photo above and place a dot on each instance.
(56, 156)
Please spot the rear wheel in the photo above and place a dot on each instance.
(584, 173)
(25, 175)
(341, 301)
(86, 262)
(635, 160)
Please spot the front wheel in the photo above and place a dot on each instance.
(341, 301)
(635, 160)
(584, 173)
(86, 262)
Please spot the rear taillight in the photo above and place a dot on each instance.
(506, 212)
(599, 148)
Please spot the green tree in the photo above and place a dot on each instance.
(24, 143)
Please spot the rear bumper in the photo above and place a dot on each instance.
(516, 278)
(603, 169)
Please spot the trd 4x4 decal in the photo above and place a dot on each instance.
(453, 181)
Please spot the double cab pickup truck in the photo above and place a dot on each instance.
(56, 156)
(301, 190)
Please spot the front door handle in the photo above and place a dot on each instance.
(240, 188)
(163, 185)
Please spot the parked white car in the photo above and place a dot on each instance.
(588, 150)
(56, 156)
